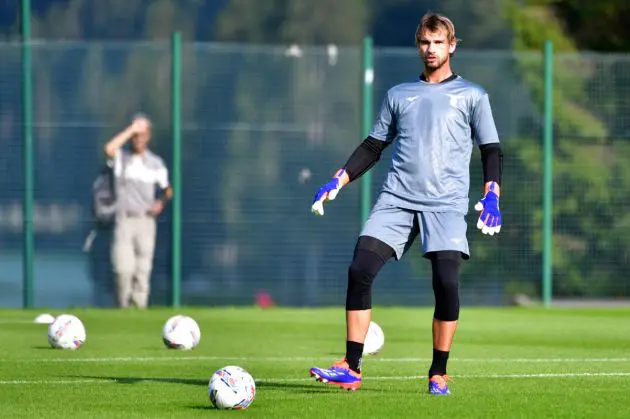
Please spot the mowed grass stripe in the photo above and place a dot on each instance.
(185, 358)
(295, 380)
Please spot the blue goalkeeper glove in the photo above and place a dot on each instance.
(328, 192)
(490, 218)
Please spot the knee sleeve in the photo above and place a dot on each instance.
(370, 255)
(445, 266)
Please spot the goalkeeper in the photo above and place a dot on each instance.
(435, 122)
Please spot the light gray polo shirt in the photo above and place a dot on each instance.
(137, 177)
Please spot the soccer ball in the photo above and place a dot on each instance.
(231, 388)
(181, 332)
(66, 332)
(374, 340)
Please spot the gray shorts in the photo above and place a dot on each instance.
(399, 227)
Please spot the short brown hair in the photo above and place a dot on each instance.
(434, 22)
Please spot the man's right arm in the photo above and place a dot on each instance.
(116, 142)
(139, 124)
(366, 155)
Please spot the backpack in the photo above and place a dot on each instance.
(104, 197)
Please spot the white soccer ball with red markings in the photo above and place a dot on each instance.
(374, 340)
(181, 332)
(231, 387)
(66, 332)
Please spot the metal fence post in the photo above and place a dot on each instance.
(366, 121)
(547, 274)
(176, 63)
(27, 155)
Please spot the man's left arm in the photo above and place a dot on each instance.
(166, 191)
(485, 135)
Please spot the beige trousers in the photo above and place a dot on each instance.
(132, 259)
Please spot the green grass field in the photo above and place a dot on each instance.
(510, 363)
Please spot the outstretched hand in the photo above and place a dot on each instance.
(328, 192)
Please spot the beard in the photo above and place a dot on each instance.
(434, 64)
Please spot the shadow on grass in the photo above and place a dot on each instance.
(137, 380)
(304, 387)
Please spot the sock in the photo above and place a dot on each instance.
(438, 366)
(354, 355)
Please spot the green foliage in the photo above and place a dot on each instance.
(595, 25)
(142, 83)
(588, 166)
(282, 21)
(533, 26)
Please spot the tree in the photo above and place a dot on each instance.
(285, 21)
(595, 25)
(589, 163)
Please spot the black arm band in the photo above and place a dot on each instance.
(364, 157)
(492, 161)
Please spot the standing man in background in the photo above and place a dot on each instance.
(138, 172)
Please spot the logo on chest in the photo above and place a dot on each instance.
(453, 100)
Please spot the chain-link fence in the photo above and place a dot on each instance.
(262, 128)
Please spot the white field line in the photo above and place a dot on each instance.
(308, 359)
(53, 382)
(423, 377)
(292, 380)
